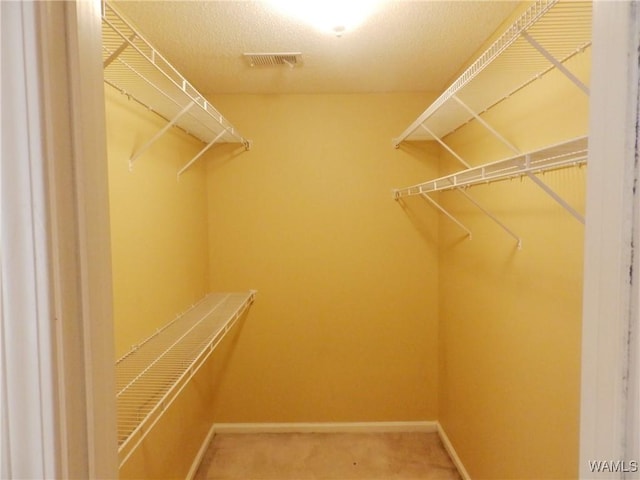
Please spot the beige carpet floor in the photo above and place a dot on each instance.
(327, 456)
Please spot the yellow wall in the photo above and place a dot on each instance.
(160, 267)
(344, 327)
(367, 309)
(158, 224)
(510, 320)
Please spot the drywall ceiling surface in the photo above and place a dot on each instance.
(404, 46)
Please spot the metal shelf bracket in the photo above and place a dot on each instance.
(202, 152)
(549, 191)
(446, 147)
(447, 214)
(119, 50)
(162, 131)
(486, 125)
(556, 63)
(492, 217)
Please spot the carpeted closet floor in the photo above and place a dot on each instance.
(309, 456)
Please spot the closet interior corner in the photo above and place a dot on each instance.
(372, 314)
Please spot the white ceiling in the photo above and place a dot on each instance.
(405, 46)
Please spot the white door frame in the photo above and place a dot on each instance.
(57, 362)
(609, 408)
(69, 218)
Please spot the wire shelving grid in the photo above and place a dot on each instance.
(545, 37)
(135, 68)
(152, 374)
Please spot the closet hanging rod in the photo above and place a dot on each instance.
(562, 155)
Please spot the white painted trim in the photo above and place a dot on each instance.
(59, 322)
(84, 92)
(337, 427)
(452, 453)
(30, 443)
(201, 453)
(609, 309)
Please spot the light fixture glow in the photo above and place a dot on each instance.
(335, 16)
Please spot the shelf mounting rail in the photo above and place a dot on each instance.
(152, 374)
(138, 70)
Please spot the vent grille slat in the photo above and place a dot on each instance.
(273, 59)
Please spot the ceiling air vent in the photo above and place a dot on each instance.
(273, 59)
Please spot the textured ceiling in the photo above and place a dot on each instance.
(404, 46)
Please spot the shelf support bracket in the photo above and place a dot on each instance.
(162, 131)
(555, 62)
(486, 125)
(492, 217)
(556, 197)
(451, 217)
(458, 157)
(118, 51)
(202, 152)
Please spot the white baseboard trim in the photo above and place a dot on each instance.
(321, 427)
(333, 427)
(452, 453)
(201, 453)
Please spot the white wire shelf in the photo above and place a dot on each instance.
(545, 37)
(550, 35)
(153, 373)
(138, 70)
(570, 153)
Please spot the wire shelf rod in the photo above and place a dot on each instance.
(486, 125)
(530, 16)
(202, 152)
(137, 70)
(563, 155)
(577, 51)
(492, 217)
(137, 348)
(447, 214)
(450, 184)
(162, 131)
(446, 147)
(145, 80)
(549, 191)
(116, 53)
(221, 121)
(168, 349)
(557, 64)
(153, 59)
